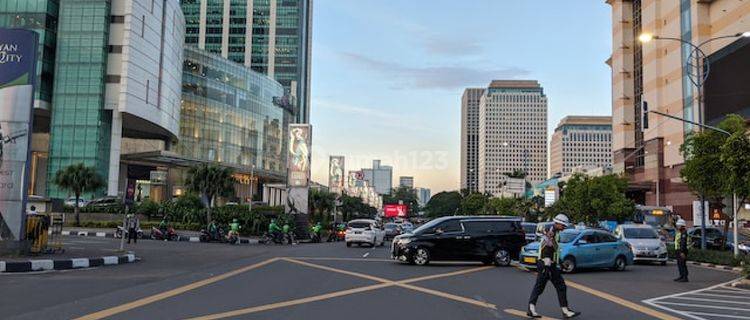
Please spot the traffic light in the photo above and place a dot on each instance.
(644, 115)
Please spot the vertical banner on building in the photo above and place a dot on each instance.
(298, 168)
(336, 171)
(18, 50)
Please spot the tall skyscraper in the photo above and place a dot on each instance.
(470, 138)
(272, 37)
(512, 133)
(657, 72)
(423, 196)
(405, 181)
(581, 141)
(379, 177)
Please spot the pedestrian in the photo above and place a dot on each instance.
(681, 249)
(548, 269)
(133, 225)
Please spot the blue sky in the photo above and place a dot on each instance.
(387, 75)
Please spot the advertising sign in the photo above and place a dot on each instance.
(336, 174)
(299, 154)
(17, 76)
(395, 210)
(697, 213)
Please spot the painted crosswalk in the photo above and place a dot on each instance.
(713, 303)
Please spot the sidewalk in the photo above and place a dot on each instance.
(74, 257)
(183, 235)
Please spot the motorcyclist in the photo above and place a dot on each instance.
(213, 230)
(234, 228)
(316, 229)
(286, 231)
(163, 225)
(274, 230)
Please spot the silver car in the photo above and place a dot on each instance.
(644, 241)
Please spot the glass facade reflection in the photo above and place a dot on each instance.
(228, 115)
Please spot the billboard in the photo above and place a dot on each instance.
(336, 171)
(298, 158)
(18, 50)
(396, 210)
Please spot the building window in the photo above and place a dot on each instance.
(113, 78)
(117, 19)
(115, 49)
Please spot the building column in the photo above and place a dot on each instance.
(225, 29)
(249, 34)
(115, 149)
(202, 25)
(272, 39)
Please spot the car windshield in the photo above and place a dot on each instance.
(359, 225)
(640, 233)
(390, 226)
(529, 227)
(568, 235)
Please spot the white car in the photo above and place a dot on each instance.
(644, 242)
(71, 202)
(363, 231)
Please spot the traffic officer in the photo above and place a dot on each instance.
(681, 249)
(548, 269)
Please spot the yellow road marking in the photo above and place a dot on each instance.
(290, 303)
(340, 259)
(522, 314)
(622, 302)
(405, 283)
(171, 293)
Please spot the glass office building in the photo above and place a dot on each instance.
(229, 115)
(270, 36)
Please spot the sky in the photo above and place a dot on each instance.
(388, 75)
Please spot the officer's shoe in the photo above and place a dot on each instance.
(531, 312)
(568, 314)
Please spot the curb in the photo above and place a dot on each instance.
(64, 264)
(112, 235)
(713, 266)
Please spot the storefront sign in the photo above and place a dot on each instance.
(18, 50)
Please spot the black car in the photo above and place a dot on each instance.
(489, 239)
(714, 238)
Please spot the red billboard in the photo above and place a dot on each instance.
(396, 210)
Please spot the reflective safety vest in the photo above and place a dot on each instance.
(556, 255)
(677, 239)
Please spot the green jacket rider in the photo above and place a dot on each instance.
(273, 227)
(234, 226)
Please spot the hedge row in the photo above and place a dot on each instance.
(716, 257)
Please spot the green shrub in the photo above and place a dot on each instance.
(714, 256)
(147, 208)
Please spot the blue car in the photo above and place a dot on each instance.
(587, 248)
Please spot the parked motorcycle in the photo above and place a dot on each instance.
(119, 232)
(168, 234)
(314, 237)
(218, 236)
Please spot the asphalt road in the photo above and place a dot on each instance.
(325, 281)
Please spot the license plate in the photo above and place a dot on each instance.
(357, 232)
(529, 260)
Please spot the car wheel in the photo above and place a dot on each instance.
(502, 257)
(620, 264)
(568, 265)
(348, 244)
(421, 257)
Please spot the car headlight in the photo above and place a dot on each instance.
(404, 240)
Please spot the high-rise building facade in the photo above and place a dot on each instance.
(379, 177)
(581, 142)
(423, 196)
(272, 37)
(512, 133)
(470, 138)
(406, 181)
(657, 72)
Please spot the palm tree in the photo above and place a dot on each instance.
(78, 178)
(322, 203)
(210, 181)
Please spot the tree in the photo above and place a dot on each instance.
(474, 204)
(445, 203)
(210, 181)
(354, 207)
(517, 174)
(735, 157)
(592, 199)
(406, 195)
(77, 179)
(508, 206)
(322, 203)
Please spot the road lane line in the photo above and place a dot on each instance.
(717, 295)
(708, 300)
(365, 255)
(522, 314)
(340, 259)
(625, 303)
(171, 293)
(405, 283)
(702, 306)
(267, 307)
(717, 315)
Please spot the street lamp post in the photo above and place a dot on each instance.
(699, 71)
